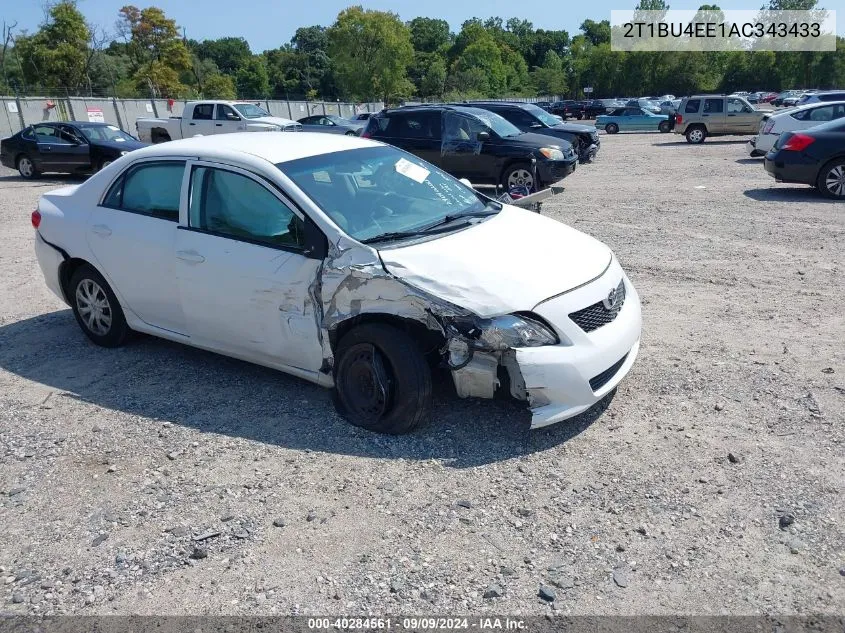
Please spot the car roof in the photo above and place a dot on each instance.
(274, 147)
(468, 109)
(86, 123)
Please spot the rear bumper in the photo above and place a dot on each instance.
(7, 160)
(50, 260)
(792, 169)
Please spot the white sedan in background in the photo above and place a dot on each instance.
(797, 118)
(345, 262)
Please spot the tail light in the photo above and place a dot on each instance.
(36, 219)
(365, 133)
(798, 143)
(679, 118)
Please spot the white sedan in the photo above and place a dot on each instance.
(798, 118)
(346, 262)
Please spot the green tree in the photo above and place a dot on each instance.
(219, 86)
(596, 32)
(156, 51)
(429, 35)
(228, 53)
(371, 51)
(550, 78)
(433, 82)
(252, 79)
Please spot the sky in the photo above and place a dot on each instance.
(268, 24)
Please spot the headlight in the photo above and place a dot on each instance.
(124, 153)
(508, 331)
(551, 153)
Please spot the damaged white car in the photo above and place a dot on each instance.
(346, 262)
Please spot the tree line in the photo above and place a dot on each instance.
(372, 55)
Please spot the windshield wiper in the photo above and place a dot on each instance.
(440, 224)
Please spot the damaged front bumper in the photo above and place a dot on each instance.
(564, 380)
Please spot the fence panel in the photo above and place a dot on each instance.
(10, 122)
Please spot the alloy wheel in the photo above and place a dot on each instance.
(520, 178)
(25, 167)
(94, 307)
(835, 181)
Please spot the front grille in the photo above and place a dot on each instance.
(594, 316)
(293, 128)
(597, 382)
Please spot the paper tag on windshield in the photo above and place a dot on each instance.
(113, 127)
(414, 172)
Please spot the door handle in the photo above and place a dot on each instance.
(191, 123)
(218, 125)
(101, 229)
(192, 257)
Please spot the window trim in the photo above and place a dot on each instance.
(270, 186)
(134, 167)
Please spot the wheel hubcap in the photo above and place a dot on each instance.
(93, 306)
(835, 181)
(695, 135)
(366, 385)
(25, 166)
(520, 178)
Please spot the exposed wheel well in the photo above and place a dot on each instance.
(429, 341)
(159, 135)
(66, 270)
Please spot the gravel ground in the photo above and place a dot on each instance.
(160, 479)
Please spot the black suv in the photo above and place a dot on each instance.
(529, 118)
(475, 144)
(568, 109)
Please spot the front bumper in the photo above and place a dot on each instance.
(551, 171)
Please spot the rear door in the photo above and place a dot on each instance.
(741, 117)
(418, 133)
(713, 114)
(132, 234)
(201, 121)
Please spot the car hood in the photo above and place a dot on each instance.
(576, 128)
(508, 263)
(120, 146)
(536, 140)
(272, 120)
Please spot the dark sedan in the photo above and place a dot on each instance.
(67, 147)
(529, 118)
(331, 124)
(815, 157)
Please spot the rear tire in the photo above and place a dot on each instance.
(96, 308)
(105, 163)
(382, 380)
(26, 168)
(664, 127)
(831, 179)
(611, 128)
(696, 135)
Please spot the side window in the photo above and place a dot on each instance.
(519, 117)
(233, 205)
(72, 135)
(45, 133)
(714, 106)
(152, 189)
(824, 113)
(425, 125)
(692, 106)
(226, 113)
(203, 112)
(735, 106)
(28, 134)
(378, 125)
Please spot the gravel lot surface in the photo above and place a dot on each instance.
(160, 479)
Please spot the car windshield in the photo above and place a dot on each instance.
(104, 133)
(374, 192)
(337, 119)
(545, 117)
(250, 110)
(497, 123)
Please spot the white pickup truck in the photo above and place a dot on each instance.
(202, 118)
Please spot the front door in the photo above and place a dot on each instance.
(462, 153)
(243, 277)
(132, 233)
(58, 151)
(741, 118)
(226, 120)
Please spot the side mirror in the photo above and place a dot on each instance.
(483, 136)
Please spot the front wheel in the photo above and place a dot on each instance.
(518, 175)
(26, 168)
(831, 180)
(664, 127)
(351, 133)
(382, 380)
(611, 128)
(96, 308)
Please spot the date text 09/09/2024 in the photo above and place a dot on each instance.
(721, 29)
(416, 624)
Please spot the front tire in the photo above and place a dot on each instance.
(519, 175)
(611, 128)
(696, 135)
(382, 380)
(831, 179)
(96, 308)
(26, 168)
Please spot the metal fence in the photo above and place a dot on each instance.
(18, 112)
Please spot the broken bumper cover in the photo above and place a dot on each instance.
(567, 379)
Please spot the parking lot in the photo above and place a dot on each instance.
(160, 479)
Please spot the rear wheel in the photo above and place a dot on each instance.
(696, 135)
(831, 179)
(96, 308)
(382, 380)
(611, 128)
(26, 168)
(351, 133)
(105, 163)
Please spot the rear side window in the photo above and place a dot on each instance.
(422, 125)
(839, 96)
(152, 189)
(519, 117)
(714, 106)
(232, 205)
(692, 106)
(204, 111)
(378, 125)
